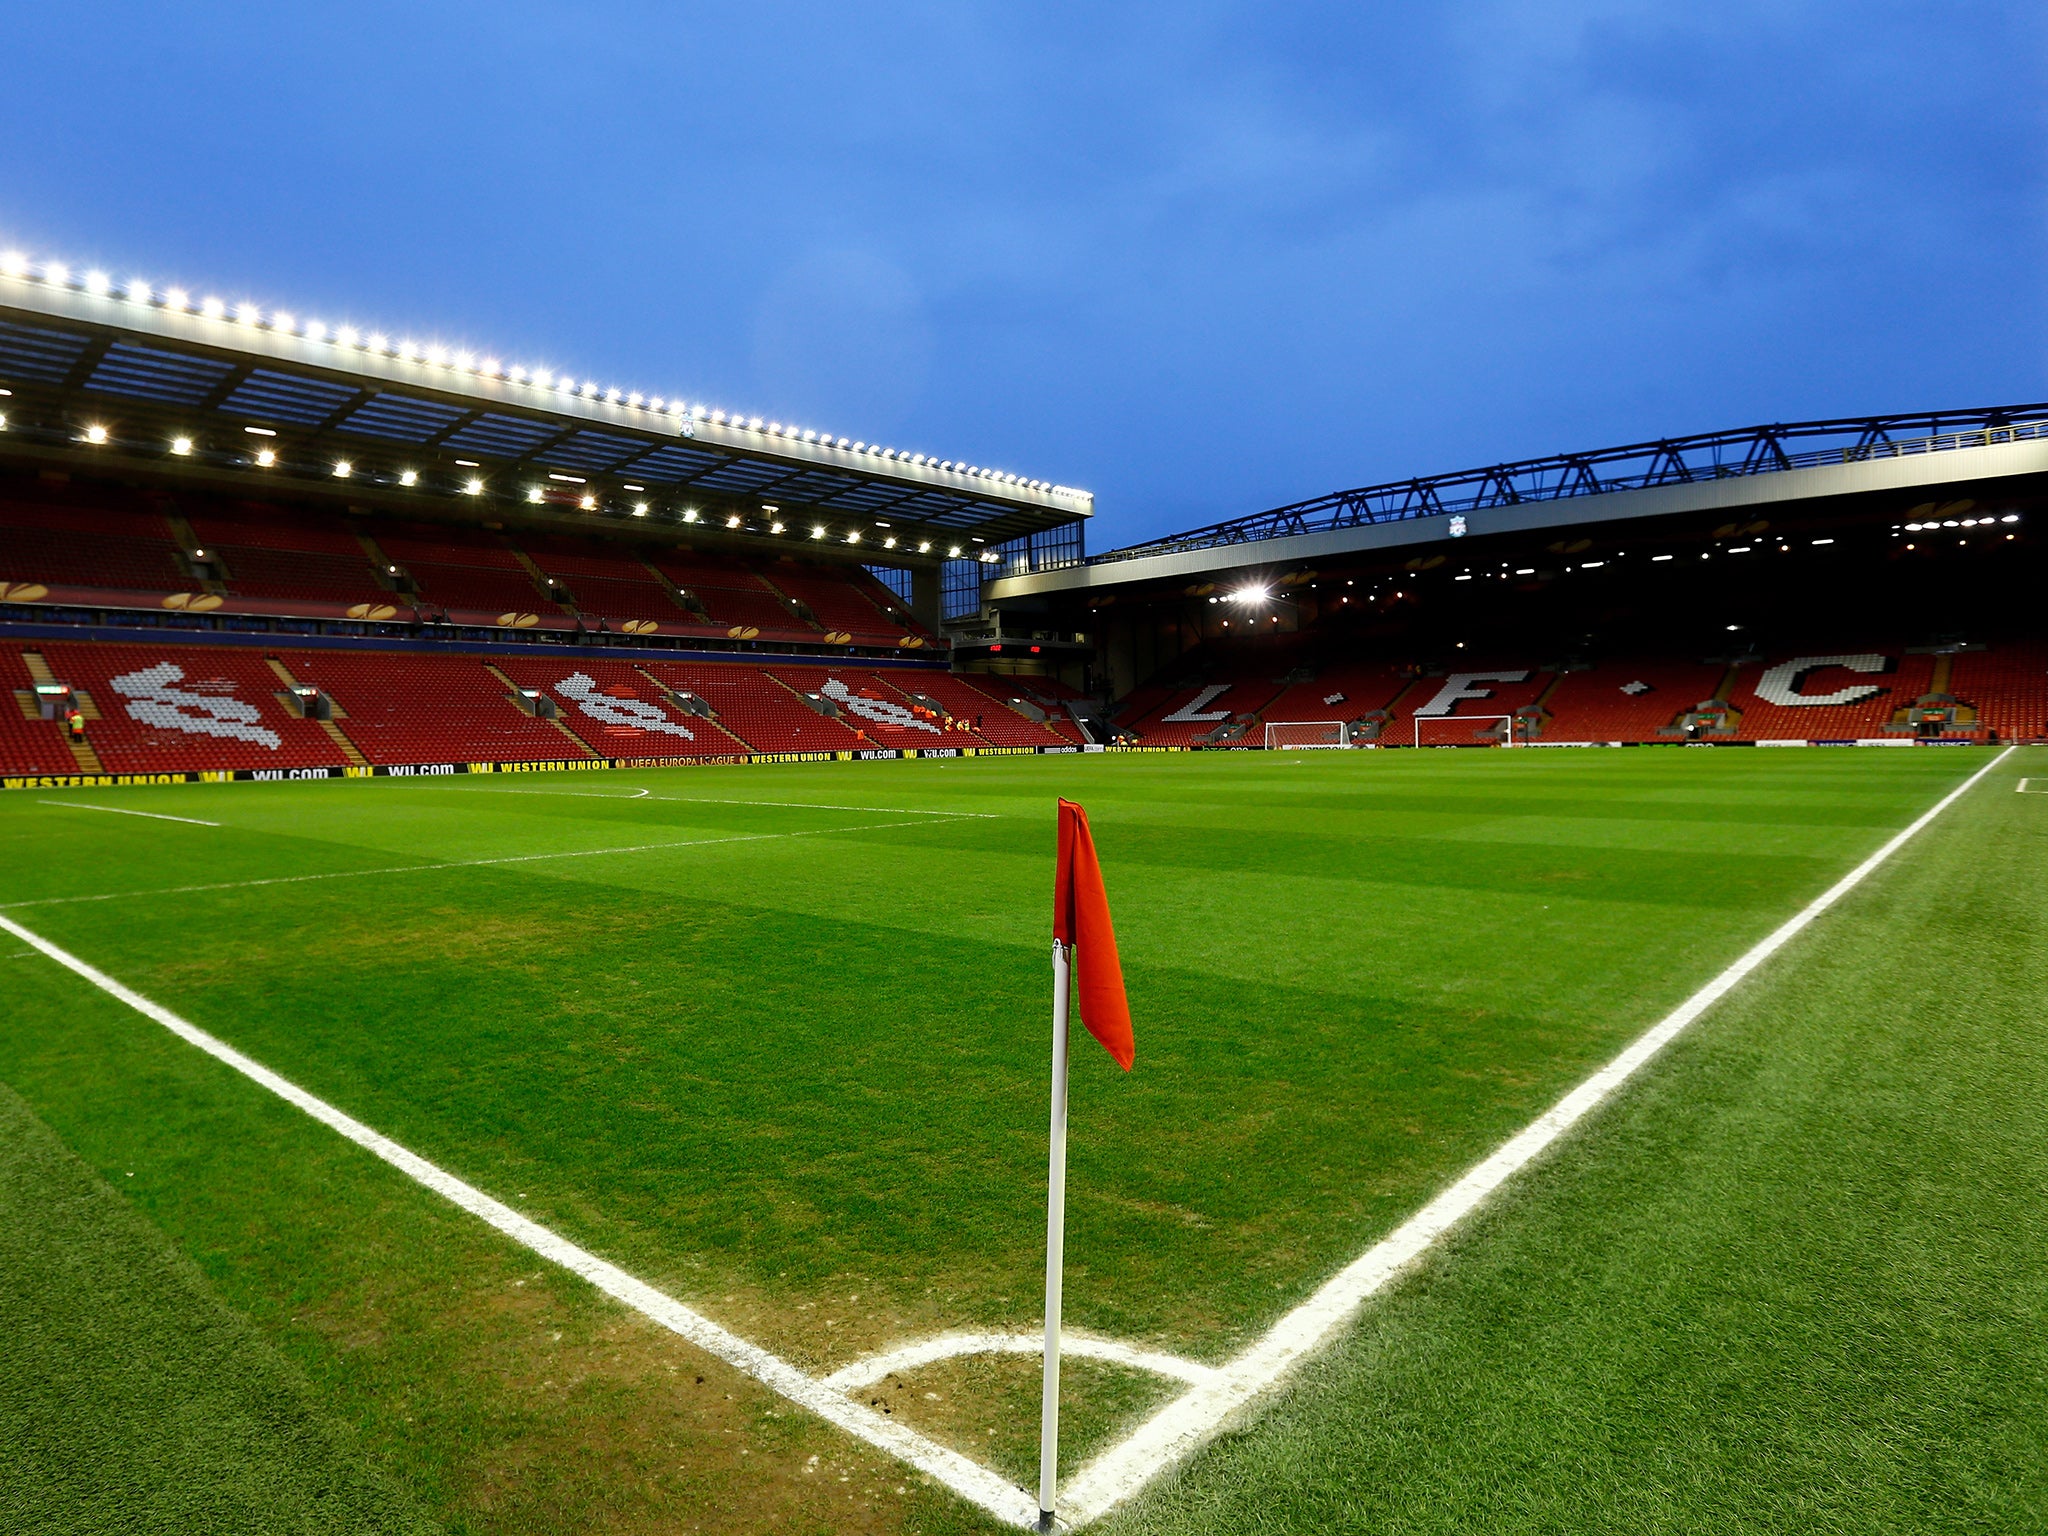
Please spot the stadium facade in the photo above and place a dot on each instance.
(235, 540)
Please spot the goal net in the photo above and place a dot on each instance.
(1464, 730)
(1283, 734)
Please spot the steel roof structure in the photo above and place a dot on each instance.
(1745, 467)
(95, 372)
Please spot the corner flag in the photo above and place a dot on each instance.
(1080, 918)
(1084, 963)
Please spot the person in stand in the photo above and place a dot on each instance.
(74, 723)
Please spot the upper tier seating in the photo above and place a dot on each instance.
(268, 552)
(460, 569)
(188, 708)
(618, 711)
(730, 591)
(760, 711)
(111, 540)
(413, 708)
(611, 585)
(837, 602)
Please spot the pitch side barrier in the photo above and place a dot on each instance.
(565, 765)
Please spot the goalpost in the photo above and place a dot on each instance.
(1283, 735)
(1466, 733)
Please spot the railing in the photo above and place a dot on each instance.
(1636, 466)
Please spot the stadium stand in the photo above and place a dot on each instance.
(732, 592)
(266, 552)
(609, 586)
(106, 540)
(2007, 686)
(158, 709)
(620, 711)
(466, 571)
(1628, 700)
(1000, 723)
(1882, 694)
(1344, 692)
(871, 707)
(766, 714)
(1206, 709)
(415, 708)
(838, 604)
(29, 743)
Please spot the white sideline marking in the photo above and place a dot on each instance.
(947, 1346)
(119, 810)
(970, 1480)
(412, 869)
(791, 805)
(2023, 790)
(1191, 1420)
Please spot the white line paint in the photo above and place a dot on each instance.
(120, 810)
(788, 805)
(413, 869)
(1193, 1419)
(949, 1346)
(968, 1479)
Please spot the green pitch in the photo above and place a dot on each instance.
(774, 1040)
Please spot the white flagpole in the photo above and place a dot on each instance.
(1055, 1245)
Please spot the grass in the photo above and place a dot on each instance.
(791, 1068)
(1792, 1283)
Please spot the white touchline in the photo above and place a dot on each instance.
(414, 869)
(1191, 1420)
(122, 810)
(966, 1478)
(870, 1369)
(791, 805)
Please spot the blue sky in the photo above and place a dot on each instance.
(1199, 258)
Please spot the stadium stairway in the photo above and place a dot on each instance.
(330, 726)
(620, 710)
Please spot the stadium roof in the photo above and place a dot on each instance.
(246, 390)
(1714, 471)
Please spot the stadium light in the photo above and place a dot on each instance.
(212, 308)
(96, 283)
(953, 552)
(853, 537)
(775, 527)
(818, 531)
(533, 493)
(588, 503)
(409, 477)
(265, 458)
(343, 469)
(689, 514)
(1251, 594)
(181, 446)
(924, 546)
(95, 433)
(639, 509)
(733, 521)
(473, 486)
(889, 543)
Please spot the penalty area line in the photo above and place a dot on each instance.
(971, 1481)
(1191, 1420)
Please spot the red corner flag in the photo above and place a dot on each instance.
(1080, 917)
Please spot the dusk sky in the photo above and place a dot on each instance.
(1198, 258)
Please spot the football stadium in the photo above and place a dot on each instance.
(527, 922)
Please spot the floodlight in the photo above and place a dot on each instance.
(95, 433)
(473, 486)
(265, 457)
(343, 469)
(96, 282)
(953, 552)
(733, 521)
(181, 446)
(212, 308)
(639, 509)
(775, 527)
(409, 477)
(689, 514)
(924, 546)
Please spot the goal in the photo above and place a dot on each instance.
(1465, 730)
(1285, 734)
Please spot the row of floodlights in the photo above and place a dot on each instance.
(280, 322)
(1961, 522)
(345, 469)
